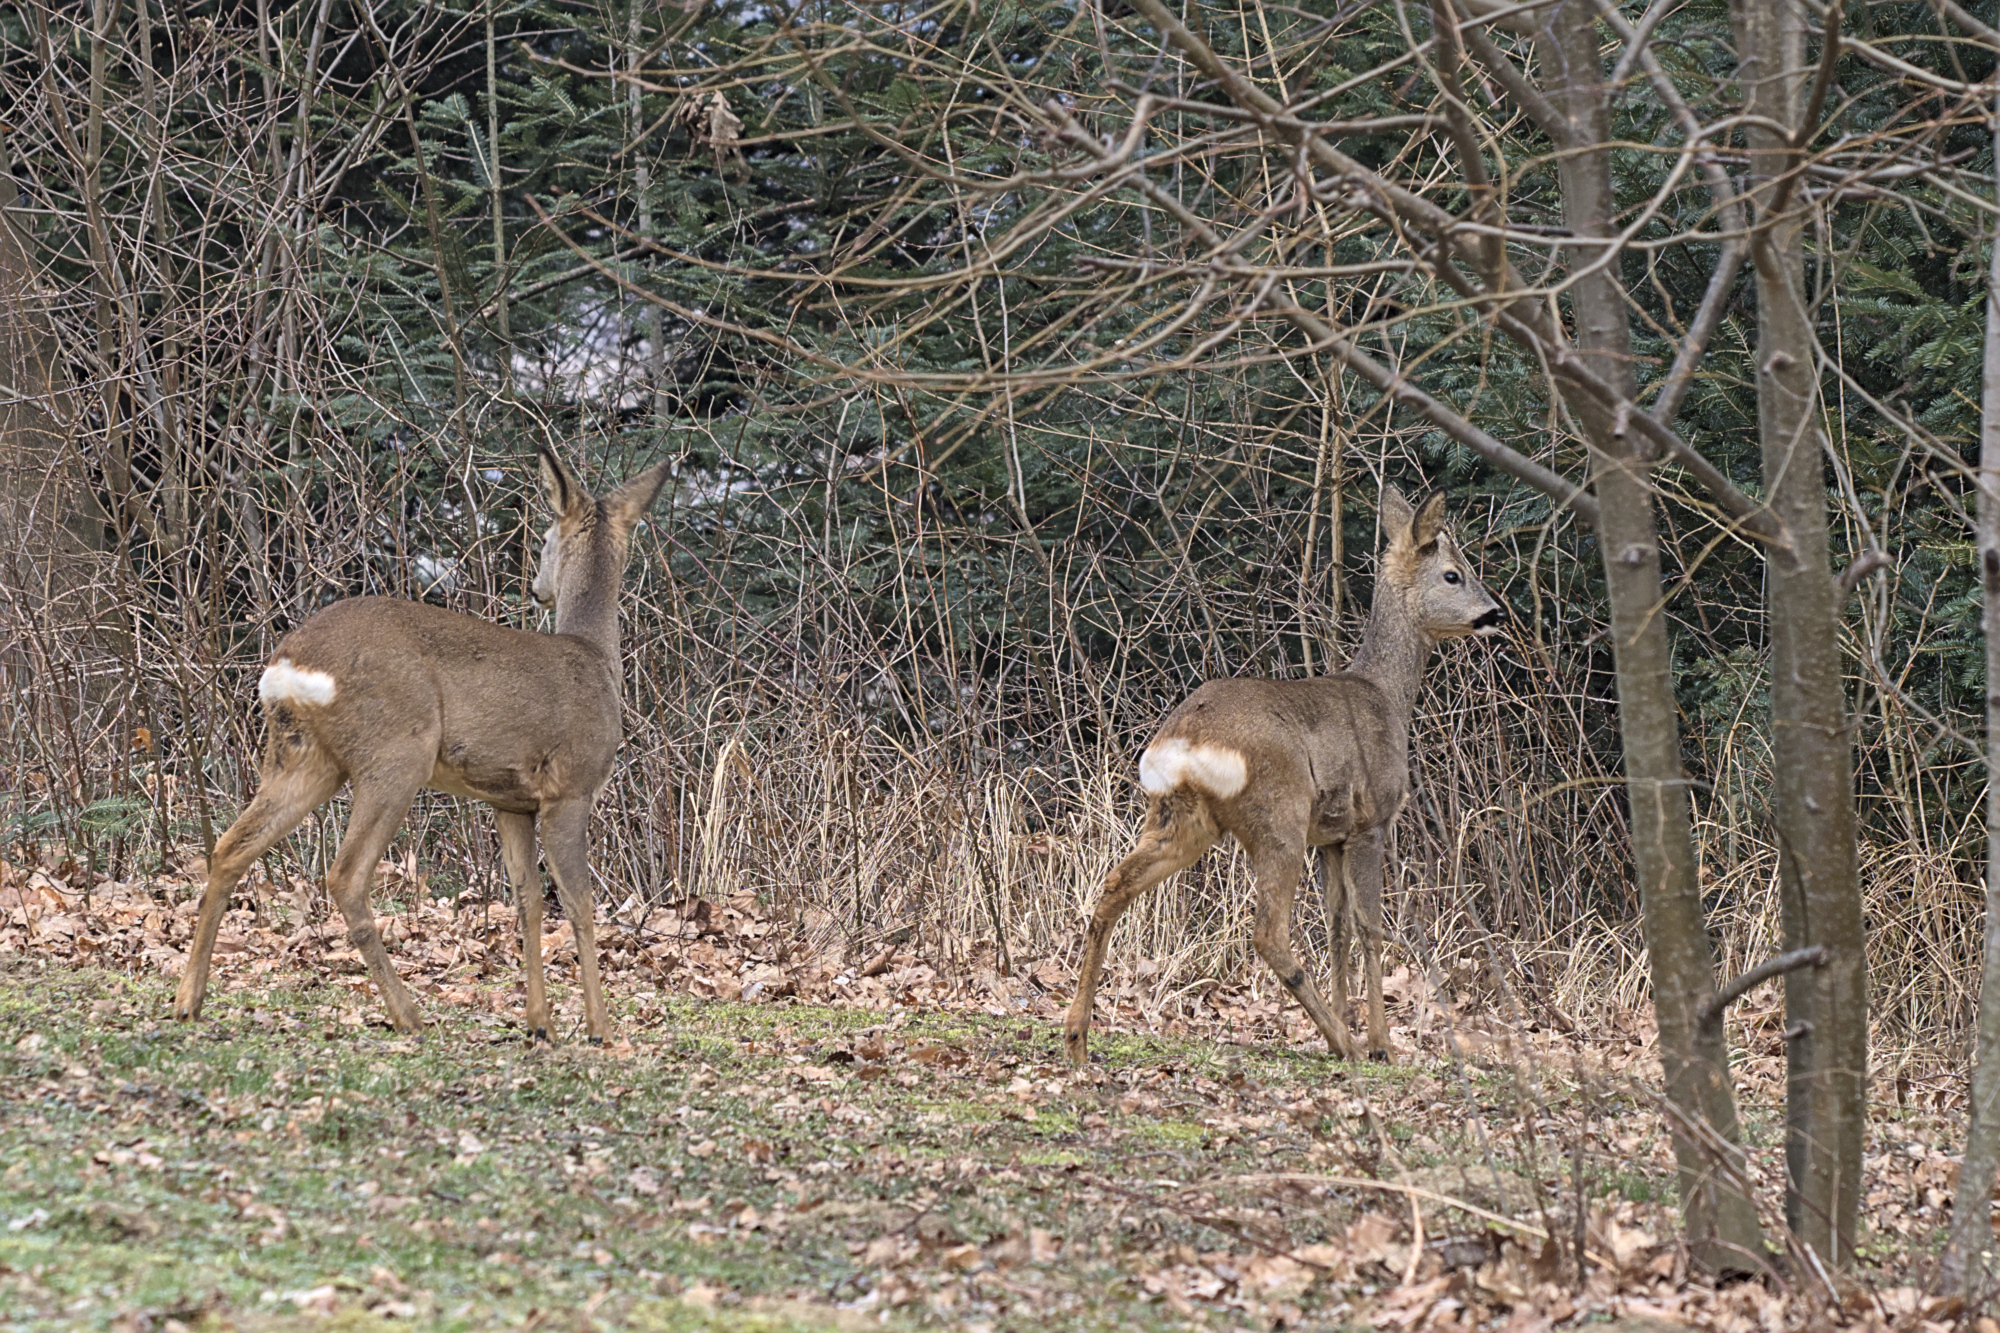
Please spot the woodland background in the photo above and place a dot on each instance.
(979, 467)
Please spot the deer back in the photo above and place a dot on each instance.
(1268, 752)
(516, 717)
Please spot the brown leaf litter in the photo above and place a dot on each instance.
(1446, 1244)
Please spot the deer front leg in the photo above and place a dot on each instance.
(1364, 871)
(565, 829)
(285, 795)
(380, 802)
(517, 852)
(1339, 908)
(1277, 868)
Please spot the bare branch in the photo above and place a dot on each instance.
(1988, 36)
(1509, 76)
(1788, 172)
(1871, 561)
(1635, 43)
(1390, 382)
(1522, 320)
(1712, 1012)
(1485, 203)
(1687, 357)
(1722, 191)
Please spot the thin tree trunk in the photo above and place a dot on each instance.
(52, 531)
(1721, 1222)
(1967, 1255)
(1812, 752)
(503, 334)
(642, 190)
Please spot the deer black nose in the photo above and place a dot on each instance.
(1493, 619)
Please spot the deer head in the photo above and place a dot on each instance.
(584, 549)
(1424, 570)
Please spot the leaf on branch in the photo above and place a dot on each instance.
(713, 125)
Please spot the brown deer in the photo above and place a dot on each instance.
(1289, 764)
(396, 696)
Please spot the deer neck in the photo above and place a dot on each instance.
(588, 609)
(1393, 651)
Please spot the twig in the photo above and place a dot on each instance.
(1417, 1191)
(1871, 561)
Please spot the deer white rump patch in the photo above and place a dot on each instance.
(284, 683)
(1175, 762)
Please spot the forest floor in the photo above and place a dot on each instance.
(779, 1141)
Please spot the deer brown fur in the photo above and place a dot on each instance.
(396, 696)
(1284, 765)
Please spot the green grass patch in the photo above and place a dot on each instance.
(746, 1166)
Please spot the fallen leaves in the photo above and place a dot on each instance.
(465, 953)
(278, 1226)
(1410, 1221)
(134, 1155)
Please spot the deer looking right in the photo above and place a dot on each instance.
(1288, 764)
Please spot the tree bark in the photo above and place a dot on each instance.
(51, 526)
(1720, 1219)
(1964, 1270)
(1812, 751)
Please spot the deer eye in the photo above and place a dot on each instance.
(1451, 577)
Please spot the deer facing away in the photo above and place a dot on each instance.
(1284, 765)
(397, 696)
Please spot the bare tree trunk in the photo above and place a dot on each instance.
(1967, 1255)
(51, 526)
(1721, 1220)
(1812, 752)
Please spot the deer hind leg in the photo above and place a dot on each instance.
(564, 834)
(381, 799)
(1179, 828)
(517, 852)
(296, 777)
(1364, 871)
(1277, 865)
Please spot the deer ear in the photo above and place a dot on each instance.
(1396, 516)
(1429, 520)
(559, 485)
(629, 502)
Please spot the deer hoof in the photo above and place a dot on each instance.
(1379, 1056)
(538, 1034)
(597, 1041)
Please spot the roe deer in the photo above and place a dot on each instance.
(1289, 764)
(397, 696)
